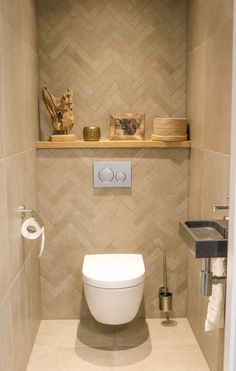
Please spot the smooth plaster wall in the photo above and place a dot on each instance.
(208, 108)
(117, 56)
(19, 263)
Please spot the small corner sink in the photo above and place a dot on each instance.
(206, 238)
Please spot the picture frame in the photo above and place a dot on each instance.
(127, 126)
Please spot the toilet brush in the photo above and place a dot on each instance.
(165, 296)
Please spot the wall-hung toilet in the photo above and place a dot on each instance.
(113, 286)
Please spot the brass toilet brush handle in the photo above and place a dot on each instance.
(165, 296)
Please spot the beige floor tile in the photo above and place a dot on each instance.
(96, 357)
(180, 334)
(57, 333)
(133, 356)
(132, 334)
(96, 335)
(166, 349)
(162, 358)
(67, 359)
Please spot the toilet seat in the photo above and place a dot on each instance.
(113, 271)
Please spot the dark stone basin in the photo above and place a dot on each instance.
(206, 238)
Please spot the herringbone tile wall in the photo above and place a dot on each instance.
(81, 220)
(117, 56)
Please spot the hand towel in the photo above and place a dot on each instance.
(216, 305)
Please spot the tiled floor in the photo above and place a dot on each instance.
(60, 346)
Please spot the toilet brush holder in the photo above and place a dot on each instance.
(165, 300)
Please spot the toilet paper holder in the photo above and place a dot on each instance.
(23, 211)
(33, 227)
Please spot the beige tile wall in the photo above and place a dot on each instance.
(117, 56)
(208, 107)
(82, 220)
(19, 265)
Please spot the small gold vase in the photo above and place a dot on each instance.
(91, 133)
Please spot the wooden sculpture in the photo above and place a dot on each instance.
(61, 110)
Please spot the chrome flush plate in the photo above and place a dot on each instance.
(112, 174)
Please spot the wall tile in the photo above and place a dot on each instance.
(16, 168)
(196, 183)
(19, 271)
(196, 99)
(2, 146)
(33, 291)
(31, 179)
(4, 244)
(219, 80)
(6, 359)
(114, 62)
(13, 90)
(29, 32)
(123, 68)
(193, 295)
(218, 13)
(81, 220)
(12, 12)
(31, 115)
(21, 340)
(197, 21)
(210, 342)
(209, 169)
(216, 168)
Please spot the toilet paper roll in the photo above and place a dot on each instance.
(42, 242)
(31, 230)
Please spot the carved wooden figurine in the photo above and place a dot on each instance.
(61, 110)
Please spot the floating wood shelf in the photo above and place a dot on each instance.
(114, 144)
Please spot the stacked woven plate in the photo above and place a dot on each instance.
(169, 129)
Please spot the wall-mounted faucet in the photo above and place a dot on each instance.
(217, 207)
(220, 207)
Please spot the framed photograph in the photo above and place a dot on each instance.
(127, 126)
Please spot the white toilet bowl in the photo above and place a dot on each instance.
(113, 286)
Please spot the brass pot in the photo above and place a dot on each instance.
(91, 133)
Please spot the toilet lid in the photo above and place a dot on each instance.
(113, 270)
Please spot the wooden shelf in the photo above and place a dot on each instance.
(114, 144)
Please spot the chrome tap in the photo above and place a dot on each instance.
(220, 207)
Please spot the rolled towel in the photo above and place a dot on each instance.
(216, 305)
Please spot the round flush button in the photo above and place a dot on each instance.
(120, 177)
(106, 175)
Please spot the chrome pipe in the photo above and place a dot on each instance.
(207, 279)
